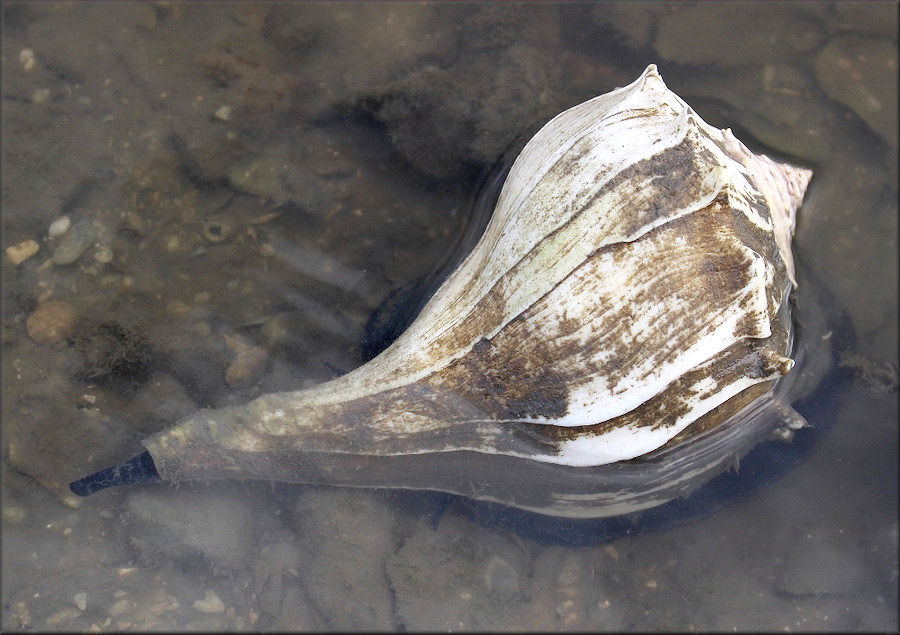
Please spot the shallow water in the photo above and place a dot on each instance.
(254, 179)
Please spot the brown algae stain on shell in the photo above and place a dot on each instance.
(628, 296)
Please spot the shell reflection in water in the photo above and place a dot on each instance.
(611, 342)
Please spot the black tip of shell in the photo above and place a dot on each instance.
(137, 469)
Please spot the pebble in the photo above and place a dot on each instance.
(104, 255)
(160, 401)
(27, 59)
(223, 113)
(74, 243)
(210, 604)
(299, 334)
(247, 367)
(136, 223)
(861, 74)
(20, 252)
(785, 79)
(59, 227)
(13, 515)
(172, 243)
(80, 600)
(51, 322)
(119, 607)
(40, 96)
(261, 177)
(60, 617)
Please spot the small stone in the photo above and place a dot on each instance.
(861, 74)
(247, 367)
(104, 255)
(72, 501)
(172, 243)
(59, 227)
(261, 177)
(119, 607)
(223, 113)
(22, 251)
(61, 618)
(51, 322)
(27, 59)
(210, 604)
(785, 79)
(80, 600)
(159, 402)
(74, 243)
(566, 611)
(177, 308)
(13, 515)
(40, 96)
(136, 223)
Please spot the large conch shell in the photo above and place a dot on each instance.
(623, 317)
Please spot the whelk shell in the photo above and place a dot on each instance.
(621, 322)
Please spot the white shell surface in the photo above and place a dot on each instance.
(633, 278)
